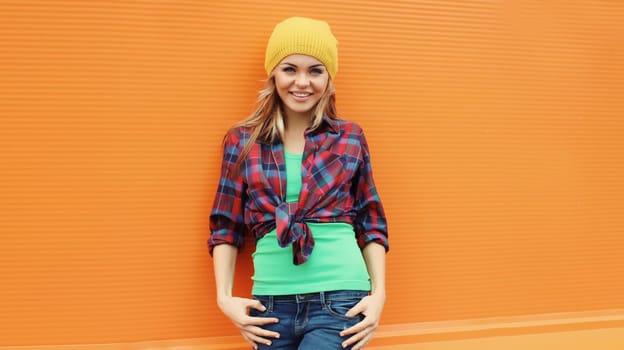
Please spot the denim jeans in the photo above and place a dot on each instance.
(309, 321)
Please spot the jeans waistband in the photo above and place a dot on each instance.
(320, 296)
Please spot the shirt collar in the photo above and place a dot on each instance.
(330, 124)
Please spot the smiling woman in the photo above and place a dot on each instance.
(300, 180)
(496, 131)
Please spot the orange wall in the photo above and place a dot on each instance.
(495, 126)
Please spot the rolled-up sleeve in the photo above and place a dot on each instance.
(227, 224)
(370, 223)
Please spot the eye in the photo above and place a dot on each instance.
(288, 69)
(316, 71)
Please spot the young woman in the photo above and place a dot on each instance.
(300, 180)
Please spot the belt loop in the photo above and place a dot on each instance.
(270, 306)
(322, 295)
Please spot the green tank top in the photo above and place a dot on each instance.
(336, 263)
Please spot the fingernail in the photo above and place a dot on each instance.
(277, 336)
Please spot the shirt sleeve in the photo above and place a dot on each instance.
(370, 221)
(227, 224)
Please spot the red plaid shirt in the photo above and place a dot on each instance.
(337, 186)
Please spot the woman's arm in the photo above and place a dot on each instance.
(371, 231)
(236, 309)
(371, 306)
(226, 237)
(370, 223)
(224, 261)
(375, 257)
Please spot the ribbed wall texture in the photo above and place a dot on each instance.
(496, 129)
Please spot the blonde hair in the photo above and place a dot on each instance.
(267, 121)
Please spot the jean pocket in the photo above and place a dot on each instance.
(253, 312)
(339, 307)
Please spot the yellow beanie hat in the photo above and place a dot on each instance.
(305, 36)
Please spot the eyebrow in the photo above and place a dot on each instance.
(295, 66)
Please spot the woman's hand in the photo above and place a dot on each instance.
(237, 310)
(371, 307)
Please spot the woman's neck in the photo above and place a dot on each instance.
(295, 126)
(297, 122)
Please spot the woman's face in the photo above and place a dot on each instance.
(300, 81)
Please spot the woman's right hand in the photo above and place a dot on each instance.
(237, 310)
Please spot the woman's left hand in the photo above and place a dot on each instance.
(371, 307)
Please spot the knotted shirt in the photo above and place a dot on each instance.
(337, 186)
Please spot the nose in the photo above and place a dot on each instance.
(302, 80)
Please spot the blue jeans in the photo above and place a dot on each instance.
(309, 321)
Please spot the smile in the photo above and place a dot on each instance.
(301, 94)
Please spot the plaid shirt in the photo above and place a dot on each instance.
(337, 186)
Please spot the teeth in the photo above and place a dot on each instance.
(301, 95)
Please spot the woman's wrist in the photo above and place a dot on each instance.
(222, 299)
(378, 292)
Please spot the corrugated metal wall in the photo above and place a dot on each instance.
(495, 126)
